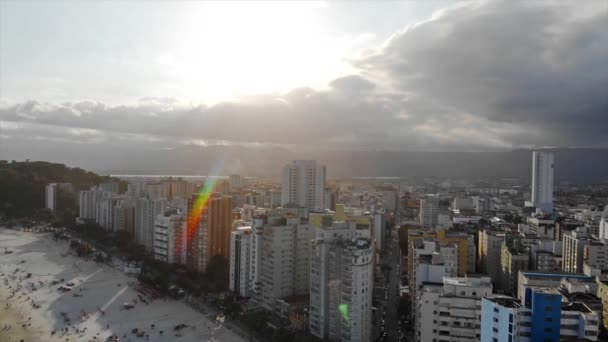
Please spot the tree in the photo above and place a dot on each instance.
(218, 273)
(22, 186)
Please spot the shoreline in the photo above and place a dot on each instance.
(93, 308)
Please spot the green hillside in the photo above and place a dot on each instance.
(22, 185)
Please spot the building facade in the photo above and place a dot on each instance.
(542, 315)
(240, 261)
(429, 210)
(303, 185)
(542, 181)
(170, 237)
(208, 232)
(451, 311)
(341, 284)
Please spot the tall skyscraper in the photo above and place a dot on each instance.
(542, 181)
(240, 260)
(146, 211)
(285, 259)
(429, 211)
(341, 284)
(208, 231)
(235, 182)
(304, 185)
(169, 237)
(51, 196)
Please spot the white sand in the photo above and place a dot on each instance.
(102, 287)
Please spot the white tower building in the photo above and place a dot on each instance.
(51, 196)
(542, 181)
(304, 185)
(146, 211)
(341, 284)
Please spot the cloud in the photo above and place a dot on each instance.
(476, 76)
(539, 66)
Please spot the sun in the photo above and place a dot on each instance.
(229, 49)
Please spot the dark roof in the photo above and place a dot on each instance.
(507, 302)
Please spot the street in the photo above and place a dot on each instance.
(389, 327)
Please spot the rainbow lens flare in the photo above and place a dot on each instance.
(202, 199)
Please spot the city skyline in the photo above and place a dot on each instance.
(304, 170)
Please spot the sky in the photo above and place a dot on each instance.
(399, 76)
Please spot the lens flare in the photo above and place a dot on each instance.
(343, 308)
(202, 199)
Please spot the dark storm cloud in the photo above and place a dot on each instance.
(476, 76)
(537, 65)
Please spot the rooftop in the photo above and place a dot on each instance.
(508, 302)
(556, 275)
(575, 306)
(467, 281)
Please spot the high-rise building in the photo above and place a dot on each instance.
(379, 229)
(285, 259)
(573, 244)
(89, 201)
(157, 190)
(53, 193)
(240, 261)
(146, 210)
(107, 208)
(542, 181)
(51, 196)
(170, 237)
(222, 186)
(208, 231)
(515, 257)
(341, 284)
(179, 188)
(109, 187)
(546, 255)
(603, 227)
(490, 244)
(543, 314)
(235, 182)
(124, 217)
(390, 199)
(136, 188)
(467, 251)
(429, 210)
(304, 185)
(450, 311)
(432, 262)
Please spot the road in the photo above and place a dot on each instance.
(392, 318)
(388, 296)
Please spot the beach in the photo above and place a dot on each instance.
(92, 305)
